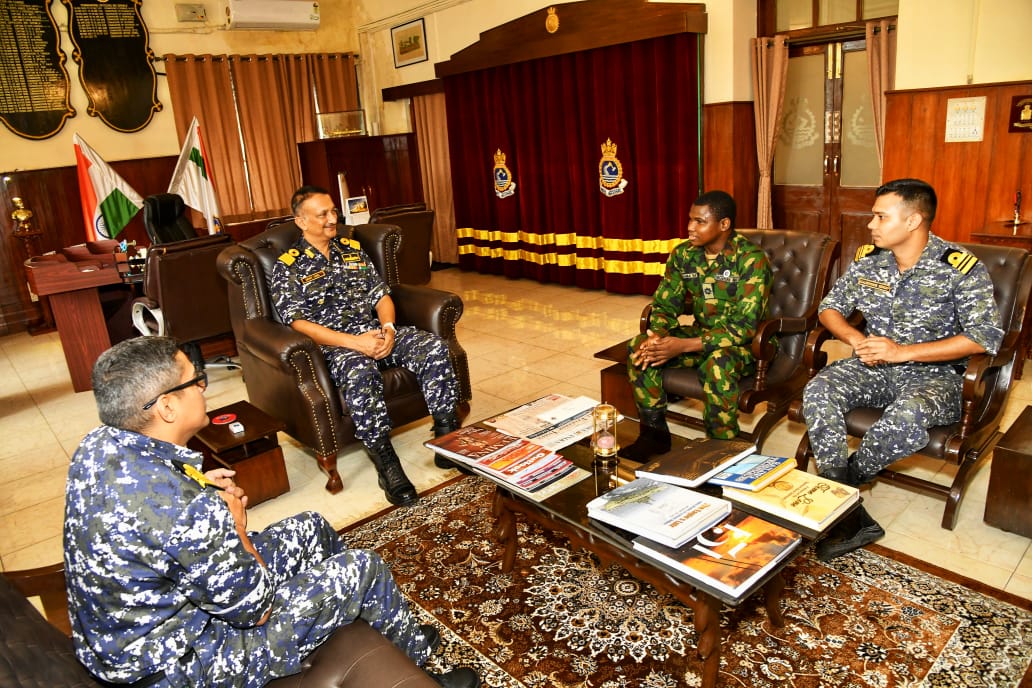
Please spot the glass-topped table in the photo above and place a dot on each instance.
(566, 513)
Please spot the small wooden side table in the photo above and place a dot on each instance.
(1010, 479)
(255, 455)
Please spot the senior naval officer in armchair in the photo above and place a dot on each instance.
(326, 287)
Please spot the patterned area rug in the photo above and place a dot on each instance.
(561, 620)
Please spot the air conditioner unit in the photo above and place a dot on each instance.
(272, 15)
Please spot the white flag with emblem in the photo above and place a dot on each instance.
(193, 179)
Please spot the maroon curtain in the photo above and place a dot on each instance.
(550, 118)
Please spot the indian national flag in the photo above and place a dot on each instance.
(193, 179)
(108, 202)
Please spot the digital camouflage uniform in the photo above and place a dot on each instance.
(159, 581)
(727, 298)
(341, 293)
(947, 292)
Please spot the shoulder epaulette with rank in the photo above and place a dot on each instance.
(347, 242)
(288, 257)
(865, 250)
(960, 259)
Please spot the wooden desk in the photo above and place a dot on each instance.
(75, 302)
(1020, 236)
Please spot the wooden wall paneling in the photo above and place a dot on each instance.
(729, 155)
(975, 181)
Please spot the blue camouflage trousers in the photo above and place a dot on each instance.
(914, 398)
(358, 378)
(320, 586)
(719, 372)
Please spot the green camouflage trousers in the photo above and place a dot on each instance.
(719, 371)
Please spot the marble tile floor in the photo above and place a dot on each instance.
(524, 339)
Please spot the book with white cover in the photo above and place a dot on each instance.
(668, 514)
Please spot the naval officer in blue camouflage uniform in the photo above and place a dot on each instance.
(326, 287)
(166, 587)
(928, 305)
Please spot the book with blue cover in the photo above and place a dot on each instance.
(754, 472)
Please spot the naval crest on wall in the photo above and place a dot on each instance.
(504, 186)
(610, 171)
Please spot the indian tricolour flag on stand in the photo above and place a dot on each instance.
(108, 202)
(193, 179)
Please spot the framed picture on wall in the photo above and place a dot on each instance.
(409, 43)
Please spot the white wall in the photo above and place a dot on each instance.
(955, 42)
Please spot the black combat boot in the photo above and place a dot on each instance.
(443, 424)
(653, 436)
(391, 476)
(853, 532)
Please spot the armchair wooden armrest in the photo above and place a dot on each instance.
(47, 583)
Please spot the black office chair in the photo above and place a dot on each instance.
(165, 219)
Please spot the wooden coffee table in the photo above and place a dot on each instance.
(566, 513)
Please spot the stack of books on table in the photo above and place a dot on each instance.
(525, 467)
(730, 556)
(754, 472)
(803, 501)
(696, 462)
(664, 513)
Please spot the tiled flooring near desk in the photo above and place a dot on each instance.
(524, 339)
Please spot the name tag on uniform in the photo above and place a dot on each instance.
(689, 275)
(864, 282)
(314, 276)
(707, 291)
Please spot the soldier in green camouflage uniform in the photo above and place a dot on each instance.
(723, 281)
(928, 305)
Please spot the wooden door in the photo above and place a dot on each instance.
(825, 161)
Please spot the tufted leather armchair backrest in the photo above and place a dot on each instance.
(801, 262)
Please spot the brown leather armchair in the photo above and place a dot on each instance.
(987, 383)
(801, 263)
(35, 653)
(184, 296)
(284, 370)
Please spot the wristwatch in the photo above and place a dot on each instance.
(390, 326)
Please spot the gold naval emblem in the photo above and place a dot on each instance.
(552, 21)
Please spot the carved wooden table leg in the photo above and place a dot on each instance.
(707, 626)
(772, 595)
(505, 532)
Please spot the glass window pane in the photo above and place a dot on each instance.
(799, 152)
(835, 11)
(880, 8)
(794, 14)
(859, 153)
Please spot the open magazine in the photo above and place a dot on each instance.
(553, 421)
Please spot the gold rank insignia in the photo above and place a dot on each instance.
(289, 257)
(961, 260)
(610, 171)
(864, 251)
(504, 186)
